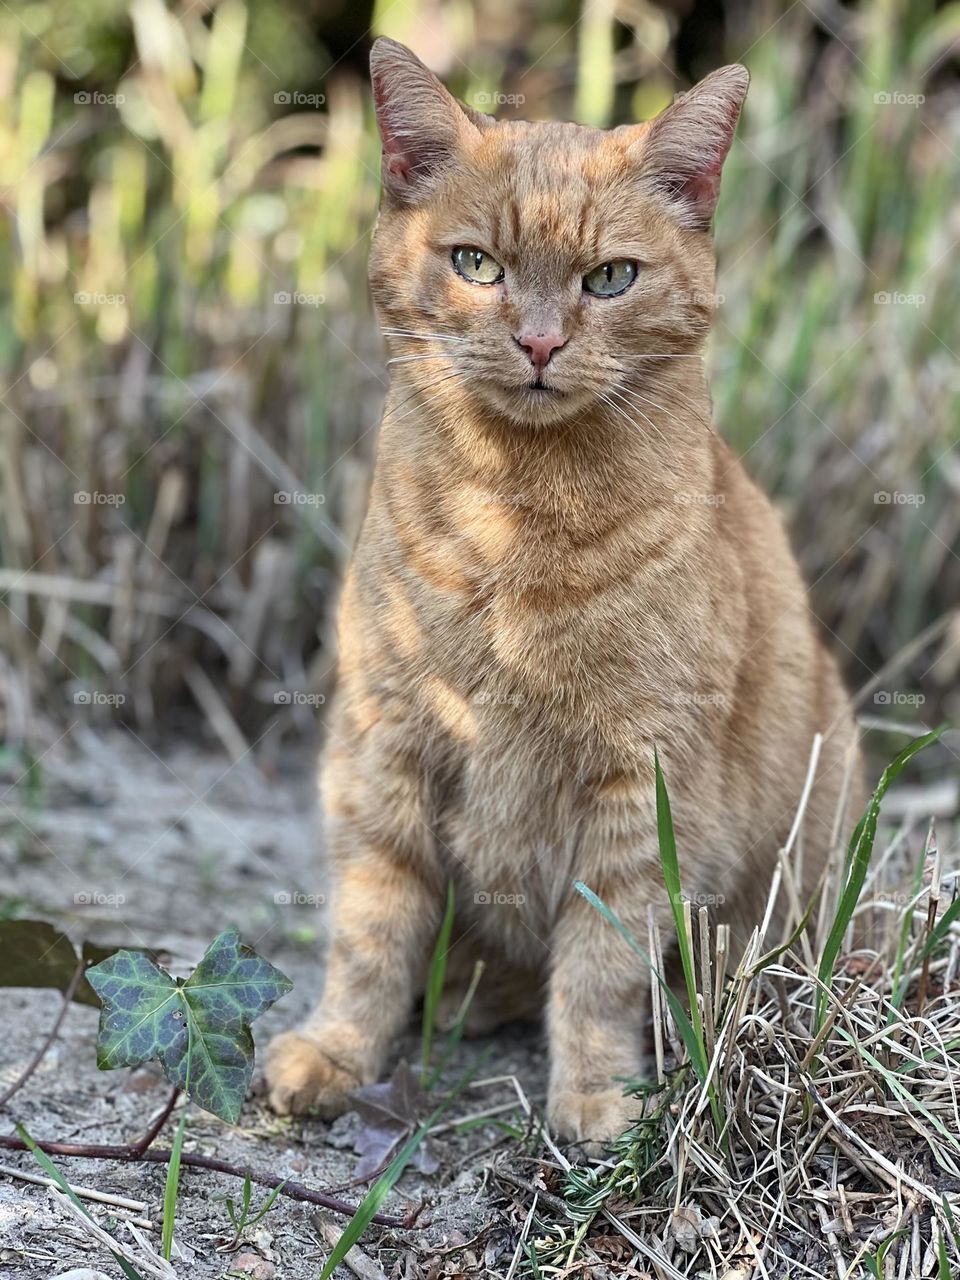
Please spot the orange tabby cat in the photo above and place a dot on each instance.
(562, 567)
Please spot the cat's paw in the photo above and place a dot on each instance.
(592, 1120)
(301, 1075)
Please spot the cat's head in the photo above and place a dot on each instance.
(542, 268)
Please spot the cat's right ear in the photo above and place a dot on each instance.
(423, 128)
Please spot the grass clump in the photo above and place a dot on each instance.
(823, 1138)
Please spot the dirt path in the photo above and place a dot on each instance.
(124, 845)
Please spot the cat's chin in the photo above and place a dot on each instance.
(534, 406)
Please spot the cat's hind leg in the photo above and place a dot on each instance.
(504, 992)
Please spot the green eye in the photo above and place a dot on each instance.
(476, 266)
(610, 278)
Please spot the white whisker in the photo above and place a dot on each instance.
(433, 355)
(653, 426)
(418, 394)
(423, 337)
(631, 393)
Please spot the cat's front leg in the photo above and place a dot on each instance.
(385, 907)
(598, 995)
(599, 988)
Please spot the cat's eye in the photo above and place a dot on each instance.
(476, 266)
(610, 278)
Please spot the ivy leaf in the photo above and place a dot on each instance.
(35, 953)
(198, 1029)
(142, 1014)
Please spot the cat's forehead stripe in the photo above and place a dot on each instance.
(543, 189)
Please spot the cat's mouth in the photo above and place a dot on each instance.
(541, 388)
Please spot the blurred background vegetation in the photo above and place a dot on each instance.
(185, 332)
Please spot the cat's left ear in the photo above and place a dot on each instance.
(423, 128)
(682, 151)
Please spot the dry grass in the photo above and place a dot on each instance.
(825, 1137)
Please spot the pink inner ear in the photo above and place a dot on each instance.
(702, 188)
(396, 160)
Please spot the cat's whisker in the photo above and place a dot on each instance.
(636, 409)
(421, 336)
(433, 355)
(662, 356)
(419, 393)
(630, 393)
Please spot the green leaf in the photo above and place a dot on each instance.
(694, 1045)
(438, 972)
(171, 1189)
(198, 1029)
(142, 1013)
(858, 857)
(35, 953)
(51, 1170)
(385, 1183)
(671, 878)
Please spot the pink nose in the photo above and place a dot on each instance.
(541, 347)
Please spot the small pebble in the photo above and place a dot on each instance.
(251, 1264)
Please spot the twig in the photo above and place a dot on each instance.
(932, 849)
(131, 1154)
(151, 1134)
(354, 1258)
(553, 1202)
(144, 1259)
(50, 1037)
(83, 1193)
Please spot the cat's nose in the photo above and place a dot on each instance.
(541, 346)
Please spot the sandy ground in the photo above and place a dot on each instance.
(129, 845)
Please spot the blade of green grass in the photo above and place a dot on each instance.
(51, 1170)
(171, 1188)
(937, 937)
(438, 972)
(952, 1222)
(696, 1050)
(858, 858)
(671, 878)
(385, 1183)
(455, 1033)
